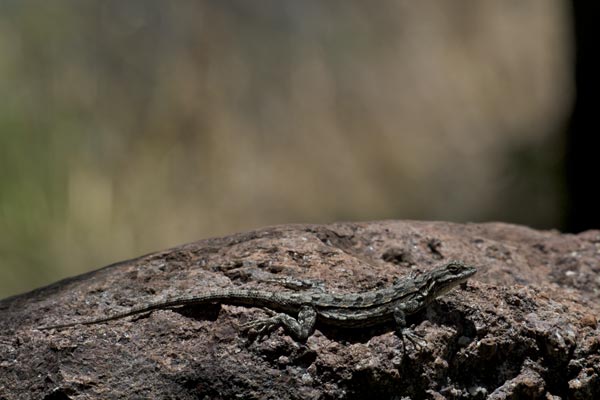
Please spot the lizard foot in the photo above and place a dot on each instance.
(300, 328)
(262, 327)
(415, 339)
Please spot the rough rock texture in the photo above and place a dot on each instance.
(525, 326)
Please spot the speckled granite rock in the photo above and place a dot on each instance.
(525, 326)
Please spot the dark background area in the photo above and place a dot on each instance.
(584, 142)
(130, 126)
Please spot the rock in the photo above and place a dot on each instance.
(524, 327)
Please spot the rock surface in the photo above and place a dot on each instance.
(524, 327)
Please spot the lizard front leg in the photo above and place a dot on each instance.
(300, 328)
(404, 331)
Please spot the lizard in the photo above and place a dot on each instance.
(298, 312)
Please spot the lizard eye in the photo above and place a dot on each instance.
(454, 267)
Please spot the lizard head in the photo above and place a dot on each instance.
(442, 280)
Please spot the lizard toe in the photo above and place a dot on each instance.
(415, 339)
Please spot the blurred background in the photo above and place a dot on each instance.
(127, 127)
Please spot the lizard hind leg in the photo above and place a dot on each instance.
(300, 328)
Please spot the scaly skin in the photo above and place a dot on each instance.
(298, 312)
